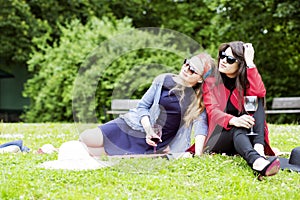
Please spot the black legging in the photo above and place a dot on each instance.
(235, 140)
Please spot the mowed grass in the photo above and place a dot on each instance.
(207, 177)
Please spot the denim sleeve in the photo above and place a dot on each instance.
(148, 98)
(146, 102)
(200, 124)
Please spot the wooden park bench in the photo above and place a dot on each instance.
(282, 105)
(121, 106)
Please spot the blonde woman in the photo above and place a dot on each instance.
(162, 120)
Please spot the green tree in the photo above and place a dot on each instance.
(23, 20)
(94, 62)
(55, 67)
(271, 25)
(18, 26)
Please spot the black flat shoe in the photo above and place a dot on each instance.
(272, 168)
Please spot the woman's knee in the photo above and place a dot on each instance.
(92, 137)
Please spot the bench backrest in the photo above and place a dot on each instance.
(286, 102)
(124, 104)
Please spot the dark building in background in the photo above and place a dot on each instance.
(11, 87)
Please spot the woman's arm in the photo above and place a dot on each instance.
(143, 107)
(201, 130)
(145, 121)
(257, 87)
(199, 144)
(215, 99)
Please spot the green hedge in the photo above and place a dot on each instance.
(92, 63)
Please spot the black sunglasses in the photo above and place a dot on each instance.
(190, 67)
(229, 59)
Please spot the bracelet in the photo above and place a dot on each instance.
(251, 66)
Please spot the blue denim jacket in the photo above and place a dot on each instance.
(149, 106)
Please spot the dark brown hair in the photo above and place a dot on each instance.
(241, 79)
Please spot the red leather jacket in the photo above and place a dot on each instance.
(215, 99)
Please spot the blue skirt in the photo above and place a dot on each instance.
(121, 139)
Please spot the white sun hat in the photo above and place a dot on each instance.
(73, 155)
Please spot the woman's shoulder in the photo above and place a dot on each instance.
(160, 78)
(210, 81)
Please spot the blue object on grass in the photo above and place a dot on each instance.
(19, 143)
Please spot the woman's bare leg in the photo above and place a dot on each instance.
(93, 139)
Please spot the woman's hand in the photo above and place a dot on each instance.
(245, 121)
(150, 133)
(249, 54)
(199, 144)
(150, 141)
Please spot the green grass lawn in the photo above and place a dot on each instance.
(207, 177)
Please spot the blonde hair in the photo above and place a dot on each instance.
(206, 65)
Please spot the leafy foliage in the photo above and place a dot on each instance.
(272, 26)
(55, 67)
(124, 67)
(80, 73)
(18, 26)
(22, 21)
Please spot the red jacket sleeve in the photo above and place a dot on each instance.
(257, 87)
(214, 107)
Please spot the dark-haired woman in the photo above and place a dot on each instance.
(235, 77)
